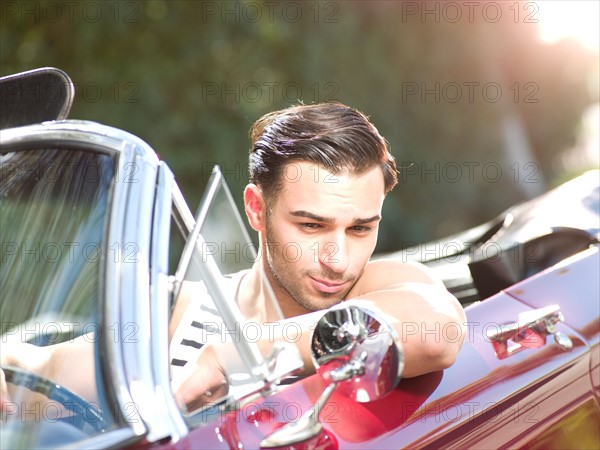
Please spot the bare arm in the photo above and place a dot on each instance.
(70, 364)
(428, 319)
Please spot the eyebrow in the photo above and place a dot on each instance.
(356, 221)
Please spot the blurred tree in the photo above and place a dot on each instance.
(473, 105)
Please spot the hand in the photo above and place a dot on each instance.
(205, 385)
(23, 356)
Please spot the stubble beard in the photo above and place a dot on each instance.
(289, 279)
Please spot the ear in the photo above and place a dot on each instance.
(254, 204)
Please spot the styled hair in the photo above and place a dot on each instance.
(331, 135)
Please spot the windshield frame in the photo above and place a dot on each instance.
(132, 378)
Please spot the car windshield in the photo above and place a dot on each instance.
(53, 212)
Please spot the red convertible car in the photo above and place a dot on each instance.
(88, 218)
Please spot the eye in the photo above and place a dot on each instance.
(361, 229)
(310, 226)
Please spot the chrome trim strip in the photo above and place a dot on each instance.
(232, 317)
(160, 305)
(190, 246)
(133, 323)
(113, 359)
(181, 213)
(75, 133)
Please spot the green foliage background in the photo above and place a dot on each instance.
(190, 77)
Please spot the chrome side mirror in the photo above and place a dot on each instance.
(360, 353)
(356, 339)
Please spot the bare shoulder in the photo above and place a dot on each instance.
(385, 274)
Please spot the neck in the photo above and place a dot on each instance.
(261, 298)
(256, 297)
(284, 301)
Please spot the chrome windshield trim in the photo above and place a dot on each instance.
(190, 248)
(133, 324)
(160, 305)
(184, 218)
(113, 358)
(69, 133)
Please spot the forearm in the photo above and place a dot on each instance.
(70, 364)
(428, 320)
(73, 366)
(430, 324)
(296, 331)
(26, 356)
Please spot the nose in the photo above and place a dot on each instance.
(335, 253)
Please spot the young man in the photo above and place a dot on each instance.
(318, 178)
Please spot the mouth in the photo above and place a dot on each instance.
(326, 286)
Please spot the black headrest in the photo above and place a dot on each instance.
(35, 96)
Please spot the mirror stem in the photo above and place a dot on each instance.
(308, 426)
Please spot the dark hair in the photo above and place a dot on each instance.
(331, 135)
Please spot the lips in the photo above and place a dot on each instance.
(329, 287)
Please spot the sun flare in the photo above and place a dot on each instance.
(578, 20)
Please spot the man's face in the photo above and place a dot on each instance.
(320, 233)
